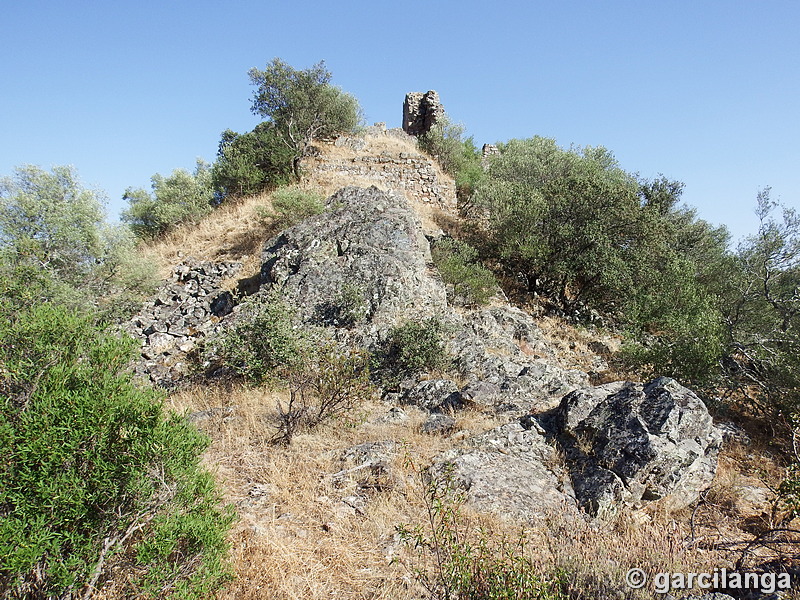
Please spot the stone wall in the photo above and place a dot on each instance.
(406, 171)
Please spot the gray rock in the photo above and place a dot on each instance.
(626, 443)
(368, 239)
(510, 471)
(435, 395)
(394, 416)
(438, 423)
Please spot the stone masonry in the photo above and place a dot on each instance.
(421, 112)
(408, 172)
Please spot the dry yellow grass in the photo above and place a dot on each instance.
(296, 538)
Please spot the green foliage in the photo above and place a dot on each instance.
(763, 319)
(251, 162)
(457, 155)
(302, 105)
(347, 308)
(460, 562)
(53, 234)
(182, 197)
(263, 344)
(414, 347)
(93, 473)
(293, 204)
(572, 226)
(566, 221)
(467, 280)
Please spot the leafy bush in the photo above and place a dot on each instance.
(414, 347)
(461, 562)
(182, 197)
(293, 204)
(263, 344)
(467, 279)
(94, 474)
(346, 309)
(458, 156)
(250, 163)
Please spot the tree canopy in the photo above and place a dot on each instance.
(302, 105)
(181, 197)
(53, 231)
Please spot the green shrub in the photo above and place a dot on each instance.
(467, 280)
(346, 309)
(182, 197)
(263, 344)
(94, 474)
(458, 156)
(250, 163)
(53, 234)
(414, 347)
(293, 204)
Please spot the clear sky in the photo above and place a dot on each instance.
(702, 91)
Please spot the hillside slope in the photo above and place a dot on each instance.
(521, 432)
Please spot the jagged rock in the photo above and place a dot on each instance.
(434, 395)
(394, 416)
(368, 239)
(510, 471)
(438, 423)
(368, 466)
(626, 443)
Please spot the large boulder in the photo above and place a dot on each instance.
(627, 443)
(369, 242)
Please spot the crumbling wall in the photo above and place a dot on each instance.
(421, 112)
(406, 171)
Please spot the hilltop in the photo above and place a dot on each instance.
(513, 411)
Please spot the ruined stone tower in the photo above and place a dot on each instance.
(421, 111)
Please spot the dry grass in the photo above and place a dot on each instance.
(297, 536)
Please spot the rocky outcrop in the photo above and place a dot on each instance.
(364, 267)
(421, 112)
(621, 445)
(369, 242)
(510, 471)
(626, 443)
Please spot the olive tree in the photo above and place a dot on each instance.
(181, 197)
(53, 233)
(302, 105)
(763, 318)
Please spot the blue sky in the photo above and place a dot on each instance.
(705, 92)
